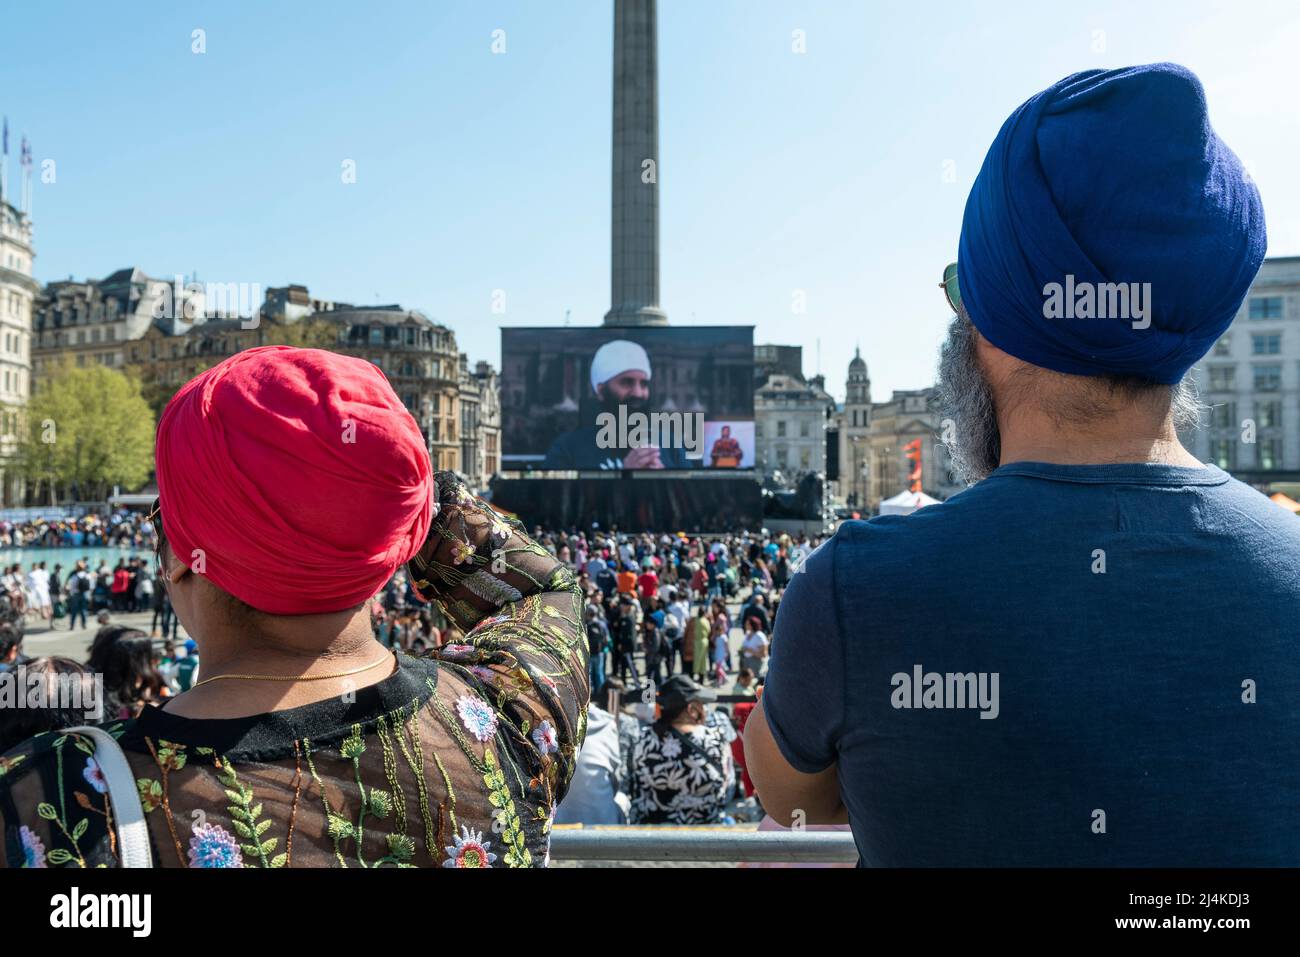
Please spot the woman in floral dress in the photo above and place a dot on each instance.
(306, 743)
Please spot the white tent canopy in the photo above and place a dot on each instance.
(905, 503)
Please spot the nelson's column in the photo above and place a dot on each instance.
(634, 250)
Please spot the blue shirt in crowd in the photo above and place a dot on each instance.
(1063, 665)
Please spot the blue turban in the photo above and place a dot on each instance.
(1110, 177)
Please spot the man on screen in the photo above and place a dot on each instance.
(620, 380)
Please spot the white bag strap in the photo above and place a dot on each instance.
(132, 831)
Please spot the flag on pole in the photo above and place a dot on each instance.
(6, 136)
(912, 451)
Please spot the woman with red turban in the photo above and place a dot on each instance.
(293, 484)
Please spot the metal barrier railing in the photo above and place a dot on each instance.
(702, 844)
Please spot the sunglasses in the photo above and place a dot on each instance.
(949, 287)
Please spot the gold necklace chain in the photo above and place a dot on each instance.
(341, 674)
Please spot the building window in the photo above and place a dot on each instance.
(1268, 415)
(1224, 346)
(1223, 453)
(804, 431)
(1266, 307)
(1223, 378)
(1270, 454)
(1224, 416)
(1266, 345)
(780, 430)
(1268, 378)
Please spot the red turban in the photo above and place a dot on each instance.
(294, 479)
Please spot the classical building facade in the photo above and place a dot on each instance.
(906, 416)
(853, 433)
(18, 292)
(130, 321)
(480, 423)
(91, 321)
(790, 421)
(1251, 382)
(418, 355)
(873, 437)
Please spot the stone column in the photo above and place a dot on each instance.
(634, 255)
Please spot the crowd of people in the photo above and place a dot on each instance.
(53, 595)
(123, 528)
(678, 629)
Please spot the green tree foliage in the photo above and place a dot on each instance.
(84, 431)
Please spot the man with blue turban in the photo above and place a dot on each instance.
(1087, 658)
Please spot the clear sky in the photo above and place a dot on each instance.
(821, 172)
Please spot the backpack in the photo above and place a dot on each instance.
(83, 583)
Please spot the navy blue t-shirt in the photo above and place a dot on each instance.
(1142, 623)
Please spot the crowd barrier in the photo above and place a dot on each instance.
(701, 844)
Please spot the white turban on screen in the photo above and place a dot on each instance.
(616, 357)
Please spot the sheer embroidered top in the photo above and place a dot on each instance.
(458, 759)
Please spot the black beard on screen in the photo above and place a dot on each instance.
(612, 405)
(969, 426)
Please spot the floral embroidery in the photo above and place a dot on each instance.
(33, 849)
(244, 815)
(94, 776)
(470, 850)
(151, 793)
(462, 552)
(171, 757)
(213, 846)
(544, 736)
(477, 716)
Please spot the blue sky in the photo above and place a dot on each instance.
(821, 172)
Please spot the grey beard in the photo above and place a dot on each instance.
(969, 426)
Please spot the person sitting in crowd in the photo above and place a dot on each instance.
(125, 657)
(595, 794)
(67, 697)
(1087, 658)
(682, 770)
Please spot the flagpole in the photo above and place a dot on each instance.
(27, 178)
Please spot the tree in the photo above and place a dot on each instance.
(86, 430)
